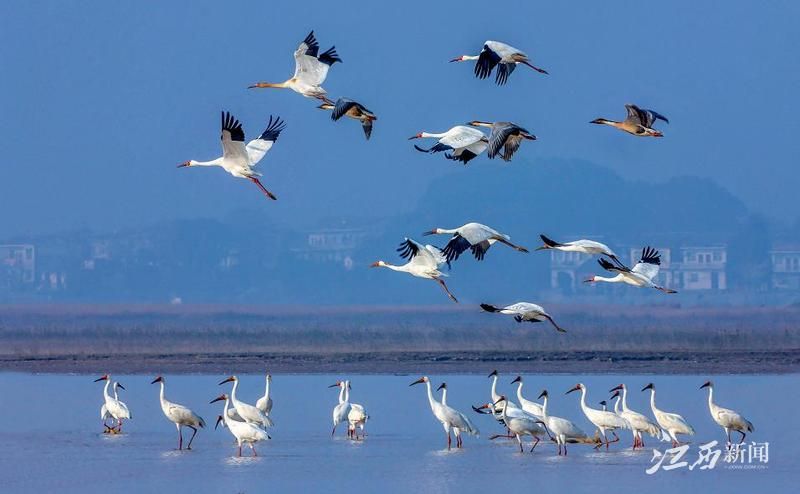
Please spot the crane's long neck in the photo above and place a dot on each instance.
(583, 400)
(431, 399)
(105, 389)
(403, 268)
(444, 396)
(161, 394)
(266, 389)
(544, 407)
(465, 58)
(625, 399)
(614, 279)
(495, 396)
(116, 395)
(653, 399)
(519, 393)
(346, 391)
(711, 404)
(503, 414)
(437, 136)
(225, 411)
(616, 406)
(215, 162)
(341, 393)
(446, 230)
(233, 391)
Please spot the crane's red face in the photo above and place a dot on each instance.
(221, 397)
(230, 379)
(185, 163)
(417, 136)
(590, 279)
(419, 381)
(157, 380)
(336, 384)
(617, 388)
(458, 59)
(576, 388)
(102, 378)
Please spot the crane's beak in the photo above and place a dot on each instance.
(335, 385)
(415, 136)
(230, 379)
(457, 59)
(649, 386)
(502, 398)
(218, 398)
(616, 393)
(156, 380)
(542, 394)
(102, 378)
(121, 386)
(707, 384)
(518, 379)
(442, 386)
(576, 388)
(615, 388)
(481, 408)
(185, 163)
(418, 381)
(494, 373)
(430, 232)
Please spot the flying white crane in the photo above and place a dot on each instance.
(356, 417)
(342, 409)
(448, 416)
(506, 135)
(639, 424)
(248, 413)
(423, 262)
(112, 407)
(500, 55)
(639, 122)
(265, 402)
(605, 421)
(673, 423)
(240, 160)
(642, 274)
(529, 406)
(179, 415)
(244, 432)
(583, 246)
(726, 418)
(524, 311)
(562, 429)
(345, 107)
(522, 424)
(460, 143)
(310, 69)
(474, 236)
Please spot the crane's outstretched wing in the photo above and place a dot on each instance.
(257, 148)
(504, 70)
(648, 265)
(486, 62)
(455, 247)
(462, 137)
(479, 249)
(232, 138)
(608, 266)
(310, 67)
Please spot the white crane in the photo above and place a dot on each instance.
(500, 55)
(239, 159)
(496, 410)
(310, 69)
(474, 236)
(345, 107)
(460, 143)
(605, 421)
(342, 409)
(448, 416)
(639, 424)
(505, 135)
(673, 423)
(356, 418)
(423, 262)
(639, 122)
(113, 407)
(531, 407)
(524, 311)
(179, 415)
(248, 413)
(726, 418)
(265, 402)
(583, 246)
(522, 424)
(562, 429)
(245, 433)
(642, 274)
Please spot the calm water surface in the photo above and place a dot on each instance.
(51, 440)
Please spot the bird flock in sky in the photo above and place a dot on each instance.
(249, 423)
(461, 143)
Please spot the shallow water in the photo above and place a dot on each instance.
(51, 440)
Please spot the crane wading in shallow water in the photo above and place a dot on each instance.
(449, 417)
(673, 423)
(423, 262)
(240, 160)
(113, 407)
(500, 55)
(602, 419)
(726, 418)
(244, 432)
(310, 69)
(179, 415)
(248, 413)
(639, 424)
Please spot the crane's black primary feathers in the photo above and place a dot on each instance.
(486, 62)
(408, 249)
(455, 247)
(330, 56)
(274, 128)
(464, 156)
(233, 126)
(435, 149)
(489, 308)
(479, 250)
(504, 70)
(651, 256)
(549, 241)
(608, 266)
(313, 46)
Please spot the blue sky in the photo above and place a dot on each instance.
(103, 99)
